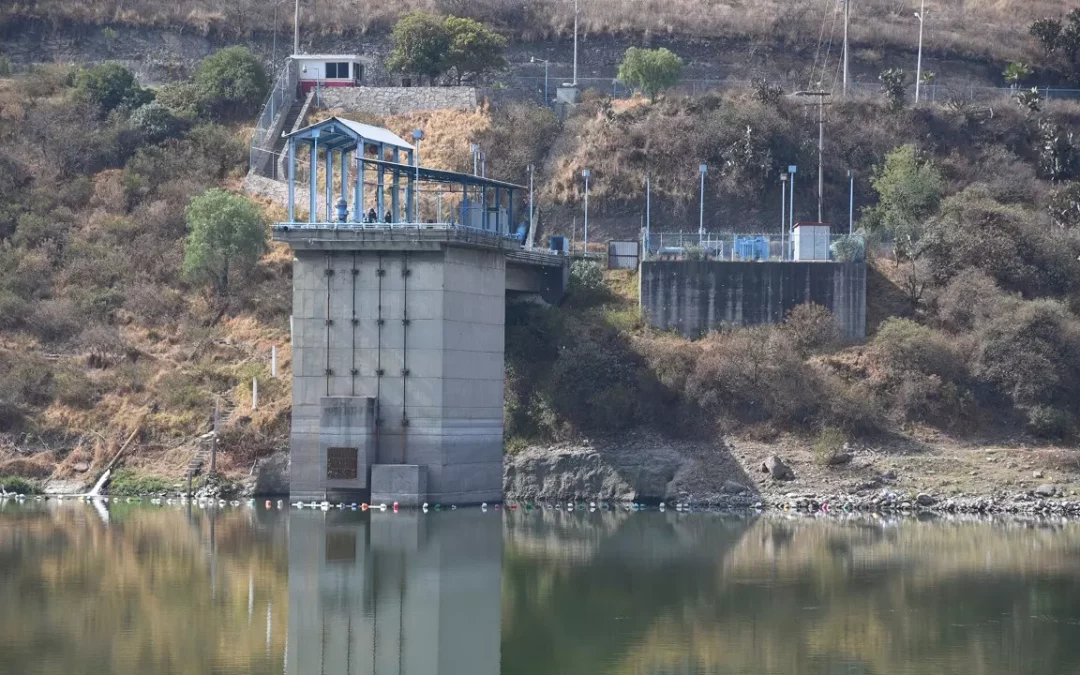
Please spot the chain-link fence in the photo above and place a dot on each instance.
(808, 247)
(261, 158)
(534, 88)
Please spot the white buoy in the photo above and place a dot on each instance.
(279, 503)
(325, 507)
(453, 507)
(382, 507)
(484, 505)
(425, 505)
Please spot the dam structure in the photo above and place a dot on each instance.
(400, 279)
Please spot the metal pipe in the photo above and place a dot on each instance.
(847, 16)
(701, 209)
(791, 213)
(586, 173)
(851, 202)
(532, 212)
(296, 29)
(575, 40)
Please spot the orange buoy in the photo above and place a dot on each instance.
(267, 503)
(363, 507)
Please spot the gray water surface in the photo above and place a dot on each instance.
(133, 589)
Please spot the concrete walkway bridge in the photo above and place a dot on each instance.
(400, 278)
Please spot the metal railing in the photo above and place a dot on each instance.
(268, 125)
(751, 247)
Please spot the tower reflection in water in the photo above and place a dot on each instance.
(394, 594)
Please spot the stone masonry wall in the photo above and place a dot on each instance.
(397, 100)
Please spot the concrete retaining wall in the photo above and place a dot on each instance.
(697, 297)
(397, 100)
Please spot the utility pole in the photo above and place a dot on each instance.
(847, 17)
(296, 29)
(575, 40)
(648, 204)
(920, 15)
(585, 174)
(820, 144)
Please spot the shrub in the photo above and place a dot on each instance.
(181, 98)
(1031, 354)
(5, 66)
(155, 122)
(906, 345)
(420, 45)
(125, 483)
(811, 327)
(110, 86)
(19, 485)
(1050, 422)
(231, 84)
(473, 49)
(849, 248)
(55, 320)
(226, 236)
(650, 71)
(586, 286)
(894, 88)
(828, 445)
(922, 376)
(970, 298)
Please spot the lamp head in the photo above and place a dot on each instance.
(586, 173)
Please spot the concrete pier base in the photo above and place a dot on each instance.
(405, 484)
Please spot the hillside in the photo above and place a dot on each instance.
(995, 30)
(104, 337)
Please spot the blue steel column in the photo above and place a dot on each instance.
(395, 190)
(483, 208)
(312, 183)
(345, 176)
(292, 180)
(510, 211)
(358, 191)
(464, 205)
(380, 198)
(329, 161)
(410, 187)
(498, 213)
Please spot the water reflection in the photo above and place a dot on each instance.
(394, 594)
(133, 590)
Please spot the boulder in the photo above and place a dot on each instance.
(839, 459)
(889, 475)
(1046, 490)
(925, 499)
(775, 467)
(1037, 474)
(730, 487)
(81, 467)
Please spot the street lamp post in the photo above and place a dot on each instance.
(296, 29)
(921, 16)
(586, 173)
(533, 59)
(702, 169)
(791, 211)
(475, 158)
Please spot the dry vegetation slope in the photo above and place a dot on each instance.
(984, 28)
(101, 340)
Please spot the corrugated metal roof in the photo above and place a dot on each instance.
(370, 134)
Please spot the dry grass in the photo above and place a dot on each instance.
(996, 28)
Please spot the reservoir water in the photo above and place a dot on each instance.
(129, 589)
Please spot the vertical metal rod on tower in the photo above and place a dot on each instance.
(254, 393)
(214, 440)
(273, 360)
(648, 204)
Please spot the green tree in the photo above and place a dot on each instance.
(231, 84)
(1047, 32)
(226, 233)
(421, 43)
(909, 189)
(650, 71)
(110, 86)
(473, 48)
(894, 87)
(1016, 72)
